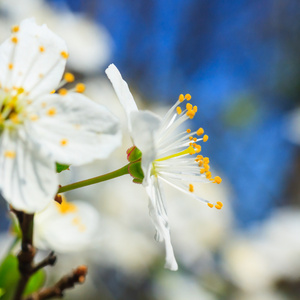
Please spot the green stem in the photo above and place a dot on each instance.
(120, 172)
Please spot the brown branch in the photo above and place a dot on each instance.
(27, 253)
(48, 261)
(68, 281)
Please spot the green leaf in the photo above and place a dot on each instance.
(60, 167)
(35, 282)
(9, 276)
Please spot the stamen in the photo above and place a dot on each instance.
(14, 39)
(69, 77)
(80, 88)
(64, 142)
(191, 188)
(188, 97)
(51, 112)
(181, 98)
(10, 66)
(63, 92)
(210, 205)
(178, 109)
(205, 138)
(188, 130)
(218, 179)
(189, 106)
(64, 54)
(200, 131)
(206, 160)
(42, 49)
(10, 154)
(15, 28)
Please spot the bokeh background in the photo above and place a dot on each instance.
(240, 62)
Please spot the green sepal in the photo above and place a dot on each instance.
(136, 180)
(60, 167)
(133, 154)
(135, 170)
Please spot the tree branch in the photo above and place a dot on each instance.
(48, 261)
(66, 282)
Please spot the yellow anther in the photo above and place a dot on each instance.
(80, 88)
(198, 148)
(14, 39)
(63, 92)
(195, 108)
(10, 66)
(181, 98)
(189, 106)
(200, 131)
(10, 154)
(200, 164)
(210, 205)
(195, 139)
(208, 174)
(42, 49)
(64, 142)
(220, 203)
(188, 97)
(178, 109)
(188, 130)
(202, 171)
(191, 188)
(51, 112)
(199, 157)
(206, 167)
(218, 179)
(14, 118)
(192, 151)
(64, 54)
(218, 206)
(33, 117)
(52, 92)
(190, 114)
(205, 138)
(206, 160)
(190, 137)
(69, 77)
(66, 207)
(15, 28)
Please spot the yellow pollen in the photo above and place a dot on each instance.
(191, 188)
(190, 114)
(189, 106)
(190, 137)
(220, 203)
(200, 164)
(188, 97)
(199, 157)
(10, 154)
(188, 130)
(64, 54)
(178, 109)
(52, 92)
(14, 39)
(206, 167)
(64, 142)
(10, 66)
(20, 90)
(206, 160)
(208, 174)
(66, 207)
(200, 131)
(195, 139)
(218, 206)
(218, 179)
(205, 138)
(80, 88)
(63, 92)
(192, 151)
(14, 118)
(15, 28)
(198, 148)
(181, 98)
(42, 49)
(202, 171)
(195, 109)
(210, 205)
(69, 77)
(51, 112)
(34, 117)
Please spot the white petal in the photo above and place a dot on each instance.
(27, 180)
(38, 72)
(66, 232)
(144, 127)
(72, 129)
(122, 90)
(159, 218)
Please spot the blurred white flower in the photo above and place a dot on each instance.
(166, 155)
(37, 128)
(66, 227)
(89, 44)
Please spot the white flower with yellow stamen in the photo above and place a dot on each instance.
(66, 227)
(166, 155)
(38, 127)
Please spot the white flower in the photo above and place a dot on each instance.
(166, 155)
(66, 227)
(39, 128)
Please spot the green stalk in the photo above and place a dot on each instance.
(117, 173)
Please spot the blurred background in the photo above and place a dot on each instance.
(240, 62)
